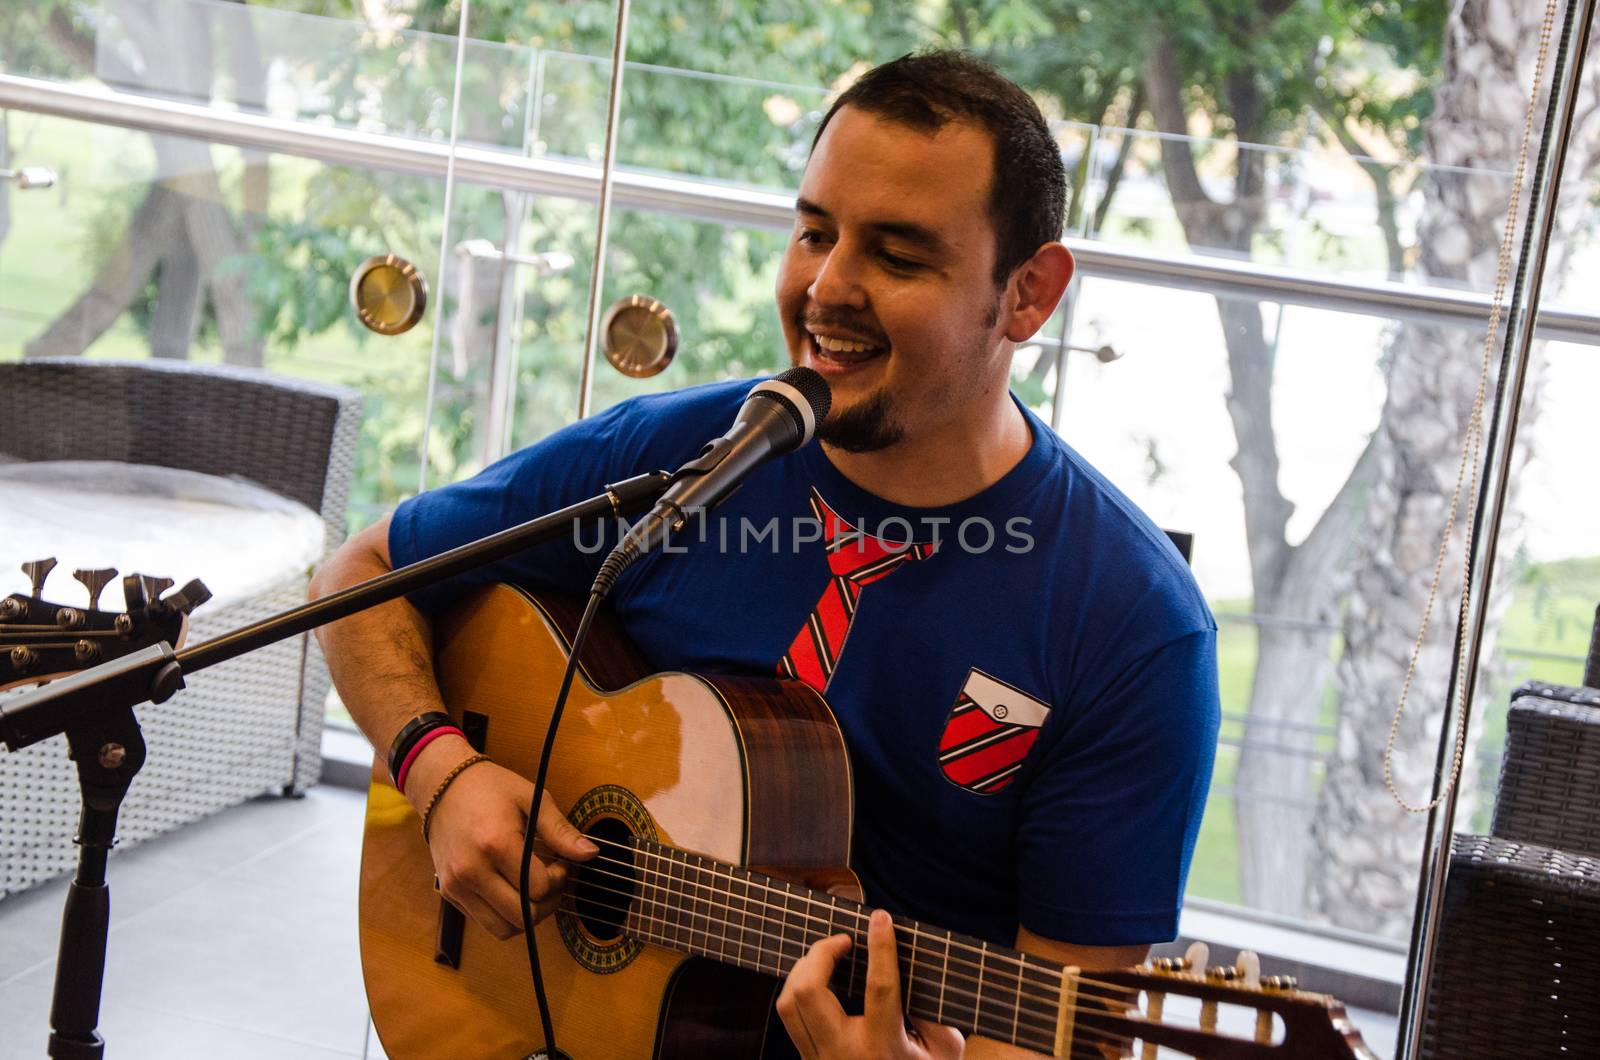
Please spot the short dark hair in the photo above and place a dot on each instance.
(924, 90)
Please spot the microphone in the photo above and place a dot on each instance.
(779, 416)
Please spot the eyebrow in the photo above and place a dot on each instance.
(915, 234)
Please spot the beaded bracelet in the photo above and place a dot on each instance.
(449, 778)
(409, 734)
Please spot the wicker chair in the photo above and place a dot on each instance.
(244, 728)
(1517, 972)
(1550, 776)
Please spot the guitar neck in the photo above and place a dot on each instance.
(740, 917)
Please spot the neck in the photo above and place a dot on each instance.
(744, 918)
(946, 465)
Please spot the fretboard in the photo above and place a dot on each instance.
(733, 915)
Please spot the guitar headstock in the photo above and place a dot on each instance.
(41, 640)
(1179, 1006)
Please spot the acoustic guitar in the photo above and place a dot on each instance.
(722, 809)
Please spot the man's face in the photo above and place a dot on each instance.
(887, 283)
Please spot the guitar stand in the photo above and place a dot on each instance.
(108, 751)
(94, 708)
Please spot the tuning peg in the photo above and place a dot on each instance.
(133, 592)
(94, 581)
(1223, 973)
(1197, 955)
(37, 571)
(1249, 965)
(1279, 982)
(191, 596)
(1172, 965)
(154, 586)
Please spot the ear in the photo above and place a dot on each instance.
(1035, 288)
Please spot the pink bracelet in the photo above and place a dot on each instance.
(427, 738)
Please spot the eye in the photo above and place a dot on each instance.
(895, 261)
(809, 237)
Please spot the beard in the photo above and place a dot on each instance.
(865, 427)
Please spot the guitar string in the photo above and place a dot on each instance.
(1035, 1025)
(781, 951)
(1003, 995)
(717, 870)
(1041, 976)
(1037, 1031)
(1038, 975)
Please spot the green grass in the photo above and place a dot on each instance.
(1550, 613)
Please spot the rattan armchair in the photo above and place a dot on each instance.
(1517, 970)
(244, 728)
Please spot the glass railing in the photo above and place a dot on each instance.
(1153, 414)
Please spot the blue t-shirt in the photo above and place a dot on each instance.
(1030, 706)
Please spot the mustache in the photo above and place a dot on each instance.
(836, 322)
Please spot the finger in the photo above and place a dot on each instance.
(546, 907)
(484, 914)
(810, 1012)
(501, 895)
(565, 840)
(885, 1021)
(942, 1043)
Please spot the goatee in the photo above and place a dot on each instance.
(864, 427)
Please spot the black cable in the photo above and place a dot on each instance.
(615, 564)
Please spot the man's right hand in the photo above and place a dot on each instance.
(476, 833)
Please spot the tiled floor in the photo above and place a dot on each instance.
(233, 938)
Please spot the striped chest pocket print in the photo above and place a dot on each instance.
(989, 732)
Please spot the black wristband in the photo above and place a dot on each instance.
(409, 734)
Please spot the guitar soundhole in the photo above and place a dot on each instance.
(603, 889)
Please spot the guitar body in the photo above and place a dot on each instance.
(746, 771)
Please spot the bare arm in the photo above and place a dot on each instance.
(381, 660)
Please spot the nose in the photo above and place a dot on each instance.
(837, 282)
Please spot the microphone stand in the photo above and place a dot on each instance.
(94, 709)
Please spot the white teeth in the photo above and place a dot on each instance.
(839, 345)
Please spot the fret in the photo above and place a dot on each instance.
(780, 911)
(944, 975)
(1031, 1019)
(635, 919)
(708, 895)
(961, 984)
(702, 917)
(762, 920)
(857, 947)
(977, 1004)
(744, 958)
(658, 903)
(783, 932)
(1016, 1004)
(908, 977)
(681, 913)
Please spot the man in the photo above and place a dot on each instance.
(1028, 688)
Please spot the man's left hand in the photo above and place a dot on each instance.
(818, 1024)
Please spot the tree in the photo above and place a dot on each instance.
(1253, 71)
(1365, 846)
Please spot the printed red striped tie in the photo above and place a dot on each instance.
(855, 560)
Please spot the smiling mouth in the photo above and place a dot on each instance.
(842, 353)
